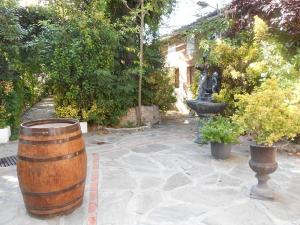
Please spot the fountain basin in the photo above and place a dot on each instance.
(204, 107)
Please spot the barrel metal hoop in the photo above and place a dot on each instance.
(46, 208)
(34, 194)
(28, 130)
(46, 215)
(58, 141)
(57, 158)
(49, 131)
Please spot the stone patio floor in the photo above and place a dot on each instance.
(160, 177)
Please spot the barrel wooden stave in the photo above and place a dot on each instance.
(52, 175)
(33, 174)
(57, 204)
(45, 147)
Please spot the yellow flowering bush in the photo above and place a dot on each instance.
(234, 61)
(6, 88)
(3, 117)
(270, 113)
(67, 112)
(260, 29)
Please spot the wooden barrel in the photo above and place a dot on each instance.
(51, 166)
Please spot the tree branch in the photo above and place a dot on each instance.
(127, 6)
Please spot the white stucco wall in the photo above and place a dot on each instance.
(177, 58)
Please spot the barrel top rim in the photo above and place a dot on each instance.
(28, 126)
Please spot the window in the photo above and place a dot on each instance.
(177, 78)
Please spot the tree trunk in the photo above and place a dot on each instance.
(139, 114)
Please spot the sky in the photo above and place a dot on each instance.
(185, 12)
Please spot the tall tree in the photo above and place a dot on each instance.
(139, 117)
(132, 17)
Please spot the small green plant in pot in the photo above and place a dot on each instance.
(267, 115)
(221, 132)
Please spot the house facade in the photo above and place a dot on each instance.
(181, 52)
(180, 62)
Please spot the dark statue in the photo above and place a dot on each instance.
(208, 85)
(204, 105)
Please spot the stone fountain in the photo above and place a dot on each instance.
(204, 105)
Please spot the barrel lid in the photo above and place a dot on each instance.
(55, 127)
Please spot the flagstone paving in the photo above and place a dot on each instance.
(160, 177)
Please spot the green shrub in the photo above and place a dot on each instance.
(158, 86)
(19, 87)
(90, 52)
(3, 117)
(15, 105)
(5, 89)
(270, 113)
(11, 103)
(88, 72)
(221, 130)
(159, 92)
(82, 63)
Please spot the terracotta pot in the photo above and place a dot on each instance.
(263, 162)
(220, 150)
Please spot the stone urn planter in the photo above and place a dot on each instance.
(220, 150)
(258, 114)
(5, 134)
(263, 162)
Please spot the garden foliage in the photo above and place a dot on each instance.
(280, 15)
(81, 67)
(257, 55)
(246, 65)
(10, 84)
(21, 80)
(82, 52)
(94, 61)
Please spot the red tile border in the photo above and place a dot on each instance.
(93, 191)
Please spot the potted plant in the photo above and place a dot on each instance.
(267, 115)
(5, 132)
(221, 132)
